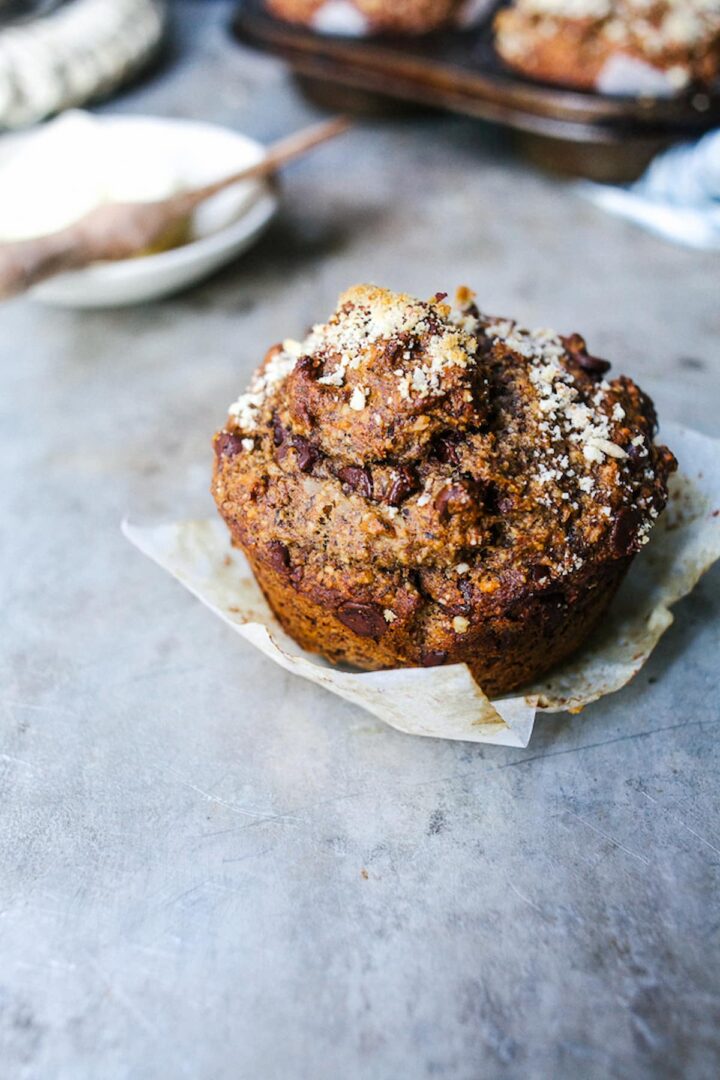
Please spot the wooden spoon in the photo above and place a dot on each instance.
(120, 230)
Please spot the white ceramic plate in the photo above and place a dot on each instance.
(222, 227)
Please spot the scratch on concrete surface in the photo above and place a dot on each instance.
(680, 821)
(609, 742)
(208, 885)
(332, 799)
(698, 836)
(16, 760)
(138, 1015)
(152, 950)
(153, 673)
(141, 1017)
(233, 829)
(526, 899)
(9, 703)
(260, 815)
(49, 964)
(250, 855)
(607, 836)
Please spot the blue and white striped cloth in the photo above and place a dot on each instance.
(678, 197)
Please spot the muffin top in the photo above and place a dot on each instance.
(656, 28)
(357, 17)
(411, 449)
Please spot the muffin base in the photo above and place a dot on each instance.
(504, 653)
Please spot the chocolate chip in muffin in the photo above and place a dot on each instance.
(357, 478)
(453, 499)
(577, 350)
(539, 572)
(228, 444)
(433, 657)
(307, 454)
(279, 431)
(310, 366)
(625, 531)
(403, 484)
(279, 556)
(445, 448)
(365, 620)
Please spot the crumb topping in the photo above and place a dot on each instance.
(368, 316)
(246, 410)
(564, 415)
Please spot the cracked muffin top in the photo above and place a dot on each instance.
(412, 449)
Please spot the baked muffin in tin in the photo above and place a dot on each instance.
(418, 484)
(360, 17)
(658, 46)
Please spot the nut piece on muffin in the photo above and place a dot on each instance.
(360, 17)
(420, 484)
(616, 46)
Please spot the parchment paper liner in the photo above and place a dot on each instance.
(445, 702)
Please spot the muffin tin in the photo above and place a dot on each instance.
(589, 133)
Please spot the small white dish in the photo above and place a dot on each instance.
(222, 227)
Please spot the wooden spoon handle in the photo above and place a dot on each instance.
(24, 263)
(278, 154)
(109, 232)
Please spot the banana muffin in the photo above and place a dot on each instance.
(359, 17)
(420, 484)
(617, 46)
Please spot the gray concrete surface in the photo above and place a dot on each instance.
(209, 869)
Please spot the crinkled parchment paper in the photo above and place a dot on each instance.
(445, 702)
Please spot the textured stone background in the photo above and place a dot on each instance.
(209, 869)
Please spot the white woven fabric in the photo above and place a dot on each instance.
(79, 51)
